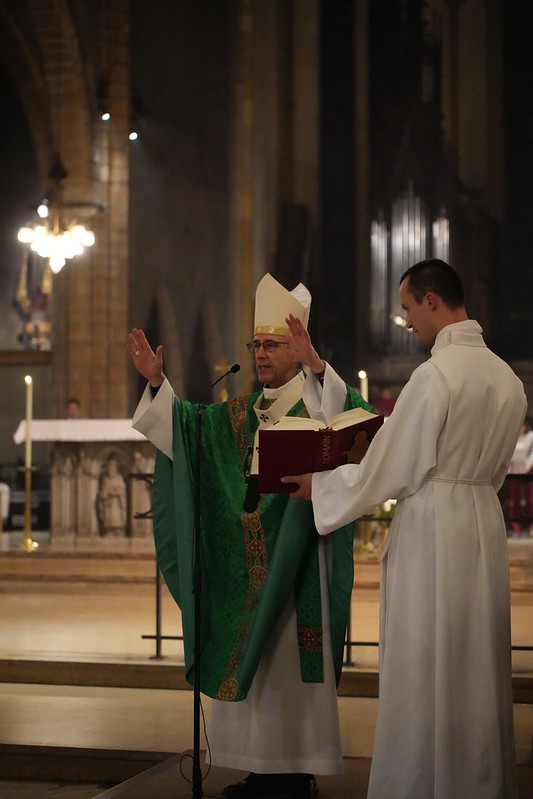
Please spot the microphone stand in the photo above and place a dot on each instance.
(197, 790)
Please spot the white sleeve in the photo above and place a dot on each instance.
(324, 400)
(153, 417)
(400, 456)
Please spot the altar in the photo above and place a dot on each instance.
(100, 483)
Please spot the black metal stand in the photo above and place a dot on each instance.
(348, 643)
(148, 477)
(197, 790)
(158, 637)
(158, 654)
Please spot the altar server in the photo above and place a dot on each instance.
(445, 717)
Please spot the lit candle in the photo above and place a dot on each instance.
(363, 384)
(29, 408)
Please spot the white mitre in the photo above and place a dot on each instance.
(273, 304)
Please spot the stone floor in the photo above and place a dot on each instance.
(66, 619)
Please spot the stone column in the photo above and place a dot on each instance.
(91, 297)
(245, 180)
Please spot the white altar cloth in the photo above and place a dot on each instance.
(78, 430)
(5, 496)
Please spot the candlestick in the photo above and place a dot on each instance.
(29, 411)
(28, 544)
(363, 384)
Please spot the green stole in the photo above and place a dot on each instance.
(251, 562)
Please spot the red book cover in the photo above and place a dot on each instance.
(296, 445)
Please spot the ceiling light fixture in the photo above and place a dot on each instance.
(57, 235)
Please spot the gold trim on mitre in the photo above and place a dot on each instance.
(273, 304)
(273, 331)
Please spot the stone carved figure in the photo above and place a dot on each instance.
(111, 501)
(88, 476)
(63, 509)
(141, 495)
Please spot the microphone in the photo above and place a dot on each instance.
(232, 370)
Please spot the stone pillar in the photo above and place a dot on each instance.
(245, 181)
(362, 181)
(91, 294)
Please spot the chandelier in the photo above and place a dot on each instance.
(56, 235)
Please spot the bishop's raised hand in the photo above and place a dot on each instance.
(146, 361)
(301, 346)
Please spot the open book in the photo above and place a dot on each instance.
(296, 445)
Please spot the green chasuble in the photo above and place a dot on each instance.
(251, 561)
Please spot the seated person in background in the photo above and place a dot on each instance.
(73, 408)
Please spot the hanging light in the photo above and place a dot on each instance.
(56, 236)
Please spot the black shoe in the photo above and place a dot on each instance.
(273, 786)
(250, 787)
(302, 786)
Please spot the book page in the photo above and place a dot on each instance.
(347, 418)
(298, 423)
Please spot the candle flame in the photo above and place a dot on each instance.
(28, 379)
(361, 374)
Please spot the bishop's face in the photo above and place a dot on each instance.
(277, 367)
